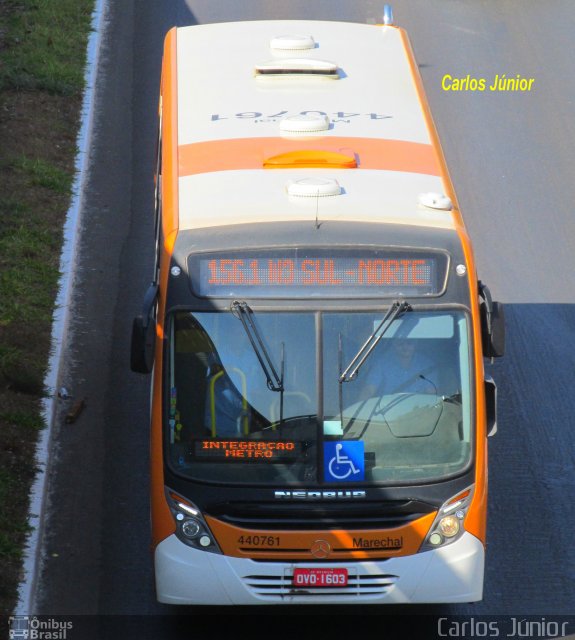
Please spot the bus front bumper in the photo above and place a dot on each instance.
(451, 574)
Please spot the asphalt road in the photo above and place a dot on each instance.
(512, 160)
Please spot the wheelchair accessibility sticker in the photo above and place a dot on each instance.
(344, 461)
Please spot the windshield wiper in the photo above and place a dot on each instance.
(242, 311)
(396, 310)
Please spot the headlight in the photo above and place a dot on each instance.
(191, 528)
(448, 524)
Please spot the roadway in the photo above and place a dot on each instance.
(512, 160)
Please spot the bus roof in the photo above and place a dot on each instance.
(244, 102)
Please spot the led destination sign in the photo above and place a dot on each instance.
(318, 272)
(247, 450)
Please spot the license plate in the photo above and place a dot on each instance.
(320, 578)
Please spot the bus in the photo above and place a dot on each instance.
(314, 330)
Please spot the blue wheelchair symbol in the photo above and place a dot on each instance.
(344, 461)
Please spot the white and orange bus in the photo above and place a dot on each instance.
(315, 329)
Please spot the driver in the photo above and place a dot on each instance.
(401, 368)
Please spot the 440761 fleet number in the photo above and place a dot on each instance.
(259, 541)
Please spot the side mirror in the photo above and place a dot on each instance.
(497, 337)
(492, 324)
(491, 405)
(144, 335)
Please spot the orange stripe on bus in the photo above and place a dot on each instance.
(251, 153)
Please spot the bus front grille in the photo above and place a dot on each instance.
(281, 586)
(269, 517)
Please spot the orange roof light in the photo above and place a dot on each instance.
(311, 159)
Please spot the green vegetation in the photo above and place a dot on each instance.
(46, 43)
(42, 55)
(9, 546)
(44, 174)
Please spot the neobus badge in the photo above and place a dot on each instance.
(319, 495)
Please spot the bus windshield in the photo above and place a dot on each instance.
(405, 417)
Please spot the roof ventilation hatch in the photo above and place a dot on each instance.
(305, 123)
(292, 43)
(298, 67)
(313, 188)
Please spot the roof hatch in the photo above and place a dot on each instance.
(292, 42)
(298, 67)
(313, 187)
(305, 123)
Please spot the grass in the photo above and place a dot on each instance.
(42, 54)
(44, 174)
(29, 245)
(9, 546)
(23, 420)
(45, 40)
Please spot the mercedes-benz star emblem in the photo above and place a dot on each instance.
(320, 549)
